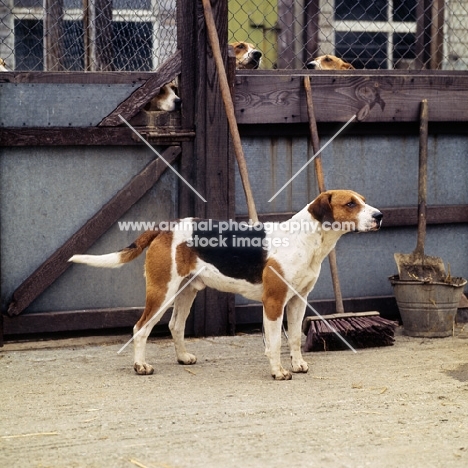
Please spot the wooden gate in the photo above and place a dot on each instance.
(203, 158)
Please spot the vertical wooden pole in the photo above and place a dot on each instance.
(53, 35)
(286, 19)
(311, 29)
(97, 26)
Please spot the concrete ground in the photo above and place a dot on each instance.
(77, 403)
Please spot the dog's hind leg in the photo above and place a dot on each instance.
(295, 311)
(182, 305)
(156, 305)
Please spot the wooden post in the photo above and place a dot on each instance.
(311, 29)
(97, 25)
(207, 162)
(286, 54)
(429, 34)
(53, 35)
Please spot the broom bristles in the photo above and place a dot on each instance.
(359, 332)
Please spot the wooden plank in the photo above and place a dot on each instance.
(73, 320)
(408, 216)
(270, 98)
(247, 315)
(137, 100)
(358, 128)
(89, 136)
(394, 216)
(76, 77)
(94, 228)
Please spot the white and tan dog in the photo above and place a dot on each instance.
(166, 100)
(271, 265)
(247, 56)
(3, 66)
(328, 62)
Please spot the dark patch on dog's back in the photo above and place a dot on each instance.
(234, 252)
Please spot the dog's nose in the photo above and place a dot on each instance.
(377, 216)
(177, 103)
(256, 55)
(311, 65)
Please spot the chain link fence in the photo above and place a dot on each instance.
(91, 35)
(370, 34)
(127, 35)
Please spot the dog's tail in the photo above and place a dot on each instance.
(117, 259)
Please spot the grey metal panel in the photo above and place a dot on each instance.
(59, 105)
(385, 170)
(47, 194)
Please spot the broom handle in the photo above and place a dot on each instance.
(321, 183)
(228, 104)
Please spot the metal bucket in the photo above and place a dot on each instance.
(428, 309)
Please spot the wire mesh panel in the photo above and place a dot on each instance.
(371, 34)
(92, 35)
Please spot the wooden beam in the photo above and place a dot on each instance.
(89, 136)
(408, 216)
(270, 97)
(359, 128)
(139, 98)
(213, 168)
(94, 228)
(395, 217)
(76, 77)
(101, 319)
(73, 320)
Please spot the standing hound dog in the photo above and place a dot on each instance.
(247, 56)
(269, 265)
(329, 62)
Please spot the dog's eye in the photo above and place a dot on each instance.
(241, 46)
(328, 59)
(351, 204)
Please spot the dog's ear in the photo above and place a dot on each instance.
(321, 209)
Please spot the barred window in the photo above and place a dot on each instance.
(92, 35)
(96, 35)
(371, 34)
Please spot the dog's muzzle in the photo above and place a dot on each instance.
(312, 65)
(255, 58)
(377, 216)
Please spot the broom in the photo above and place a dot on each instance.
(358, 329)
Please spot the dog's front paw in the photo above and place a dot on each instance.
(186, 359)
(299, 365)
(281, 374)
(143, 369)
